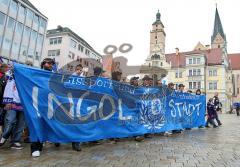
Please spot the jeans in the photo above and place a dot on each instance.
(13, 125)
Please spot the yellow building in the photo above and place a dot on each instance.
(205, 67)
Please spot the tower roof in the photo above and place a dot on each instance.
(158, 18)
(218, 27)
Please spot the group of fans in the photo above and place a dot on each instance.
(12, 122)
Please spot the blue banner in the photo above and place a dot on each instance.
(63, 108)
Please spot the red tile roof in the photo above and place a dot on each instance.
(234, 60)
(214, 57)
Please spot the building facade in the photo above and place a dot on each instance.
(68, 49)
(205, 67)
(22, 31)
(234, 60)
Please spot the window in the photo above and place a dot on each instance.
(55, 41)
(10, 24)
(29, 15)
(43, 24)
(190, 85)
(19, 28)
(155, 37)
(161, 63)
(2, 19)
(190, 72)
(198, 72)
(213, 72)
(5, 2)
(213, 86)
(178, 75)
(14, 8)
(198, 60)
(36, 22)
(53, 53)
(210, 73)
(194, 85)
(194, 60)
(199, 85)
(190, 61)
(80, 48)
(71, 55)
(87, 52)
(73, 44)
(22, 10)
(194, 72)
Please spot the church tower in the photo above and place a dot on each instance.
(157, 43)
(218, 39)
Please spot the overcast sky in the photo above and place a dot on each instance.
(103, 22)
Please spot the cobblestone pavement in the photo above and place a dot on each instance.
(197, 147)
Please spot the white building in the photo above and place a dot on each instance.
(22, 31)
(65, 46)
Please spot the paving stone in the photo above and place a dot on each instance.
(199, 147)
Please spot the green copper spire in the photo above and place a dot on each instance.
(218, 26)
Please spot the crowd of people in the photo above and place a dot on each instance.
(12, 122)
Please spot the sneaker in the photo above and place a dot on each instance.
(2, 141)
(215, 126)
(16, 146)
(76, 146)
(139, 138)
(207, 126)
(36, 154)
(57, 144)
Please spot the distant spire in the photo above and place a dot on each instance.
(218, 26)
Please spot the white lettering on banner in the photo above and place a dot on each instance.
(35, 99)
(121, 117)
(183, 108)
(51, 99)
(179, 110)
(79, 103)
(70, 98)
(106, 97)
(173, 110)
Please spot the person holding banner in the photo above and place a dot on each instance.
(3, 79)
(14, 119)
(147, 83)
(134, 82)
(36, 147)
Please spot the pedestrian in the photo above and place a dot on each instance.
(189, 91)
(117, 76)
(159, 83)
(79, 71)
(36, 147)
(210, 114)
(14, 118)
(147, 83)
(237, 106)
(198, 93)
(217, 105)
(3, 81)
(180, 90)
(134, 82)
